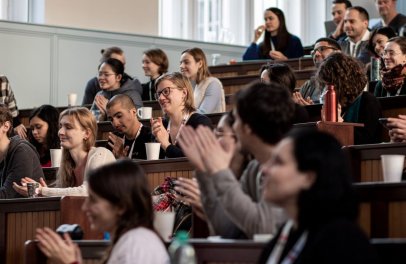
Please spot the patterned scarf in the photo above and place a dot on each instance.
(392, 79)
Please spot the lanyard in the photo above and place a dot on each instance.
(130, 153)
(281, 243)
(184, 120)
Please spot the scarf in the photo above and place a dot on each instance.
(393, 79)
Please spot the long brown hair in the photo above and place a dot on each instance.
(282, 37)
(124, 185)
(199, 56)
(66, 176)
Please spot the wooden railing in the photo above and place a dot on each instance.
(19, 219)
(366, 159)
(382, 211)
(387, 251)
(253, 67)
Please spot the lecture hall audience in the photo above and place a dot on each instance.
(77, 133)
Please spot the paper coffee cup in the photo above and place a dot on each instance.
(144, 112)
(163, 224)
(392, 166)
(56, 156)
(152, 150)
(72, 99)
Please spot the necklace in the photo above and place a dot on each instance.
(184, 120)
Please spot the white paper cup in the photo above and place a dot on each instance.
(72, 99)
(144, 112)
(392, 166)
(152, 149)
(56, 156)
(163, 224)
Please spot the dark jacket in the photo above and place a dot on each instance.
(93, 87)
(196, 119)
(21, 160)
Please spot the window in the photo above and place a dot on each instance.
(30, 11)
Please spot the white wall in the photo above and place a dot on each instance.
(130, 16)
(45, 63)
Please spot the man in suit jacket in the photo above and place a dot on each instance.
(356, 21)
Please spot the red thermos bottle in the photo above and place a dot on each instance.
(330, 104)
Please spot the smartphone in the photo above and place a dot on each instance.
(384, 122)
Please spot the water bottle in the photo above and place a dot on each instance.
(330, 104)
(375, 69)
(180, 251)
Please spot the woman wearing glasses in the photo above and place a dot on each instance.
(394, 72)
(208, 91)
(111, 82)
(175, 96)
(278, 43)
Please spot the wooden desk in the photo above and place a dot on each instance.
(366, 159)
(382, 209)
(253, 67)
(224, 251)
(20, 217)
(233, 84)
(342, 131)
(157, 170)
(388, 251)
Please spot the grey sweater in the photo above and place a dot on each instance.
(236, 209)
(21, 160)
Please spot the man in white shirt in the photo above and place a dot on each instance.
(356, 21)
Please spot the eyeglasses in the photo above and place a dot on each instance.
(390, 53)
(321, 49)
(104, 74)
(165, 92)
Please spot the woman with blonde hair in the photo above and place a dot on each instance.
(208, 91)
(77, 133)
(175, 96)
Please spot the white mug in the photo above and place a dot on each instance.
(56, 156)
(72, 99)
(144, 112)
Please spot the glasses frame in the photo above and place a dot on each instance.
(105, 75)
(165, 92)
(321, 49)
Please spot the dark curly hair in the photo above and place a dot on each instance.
(346, 74)
(50, 115)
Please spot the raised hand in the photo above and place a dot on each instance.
(189, 188)
(117, 145)
(214, 156)
(57, 249)
(277, 55)
(258, 32)
(160, 133)
(21, 131)
(397, 132)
